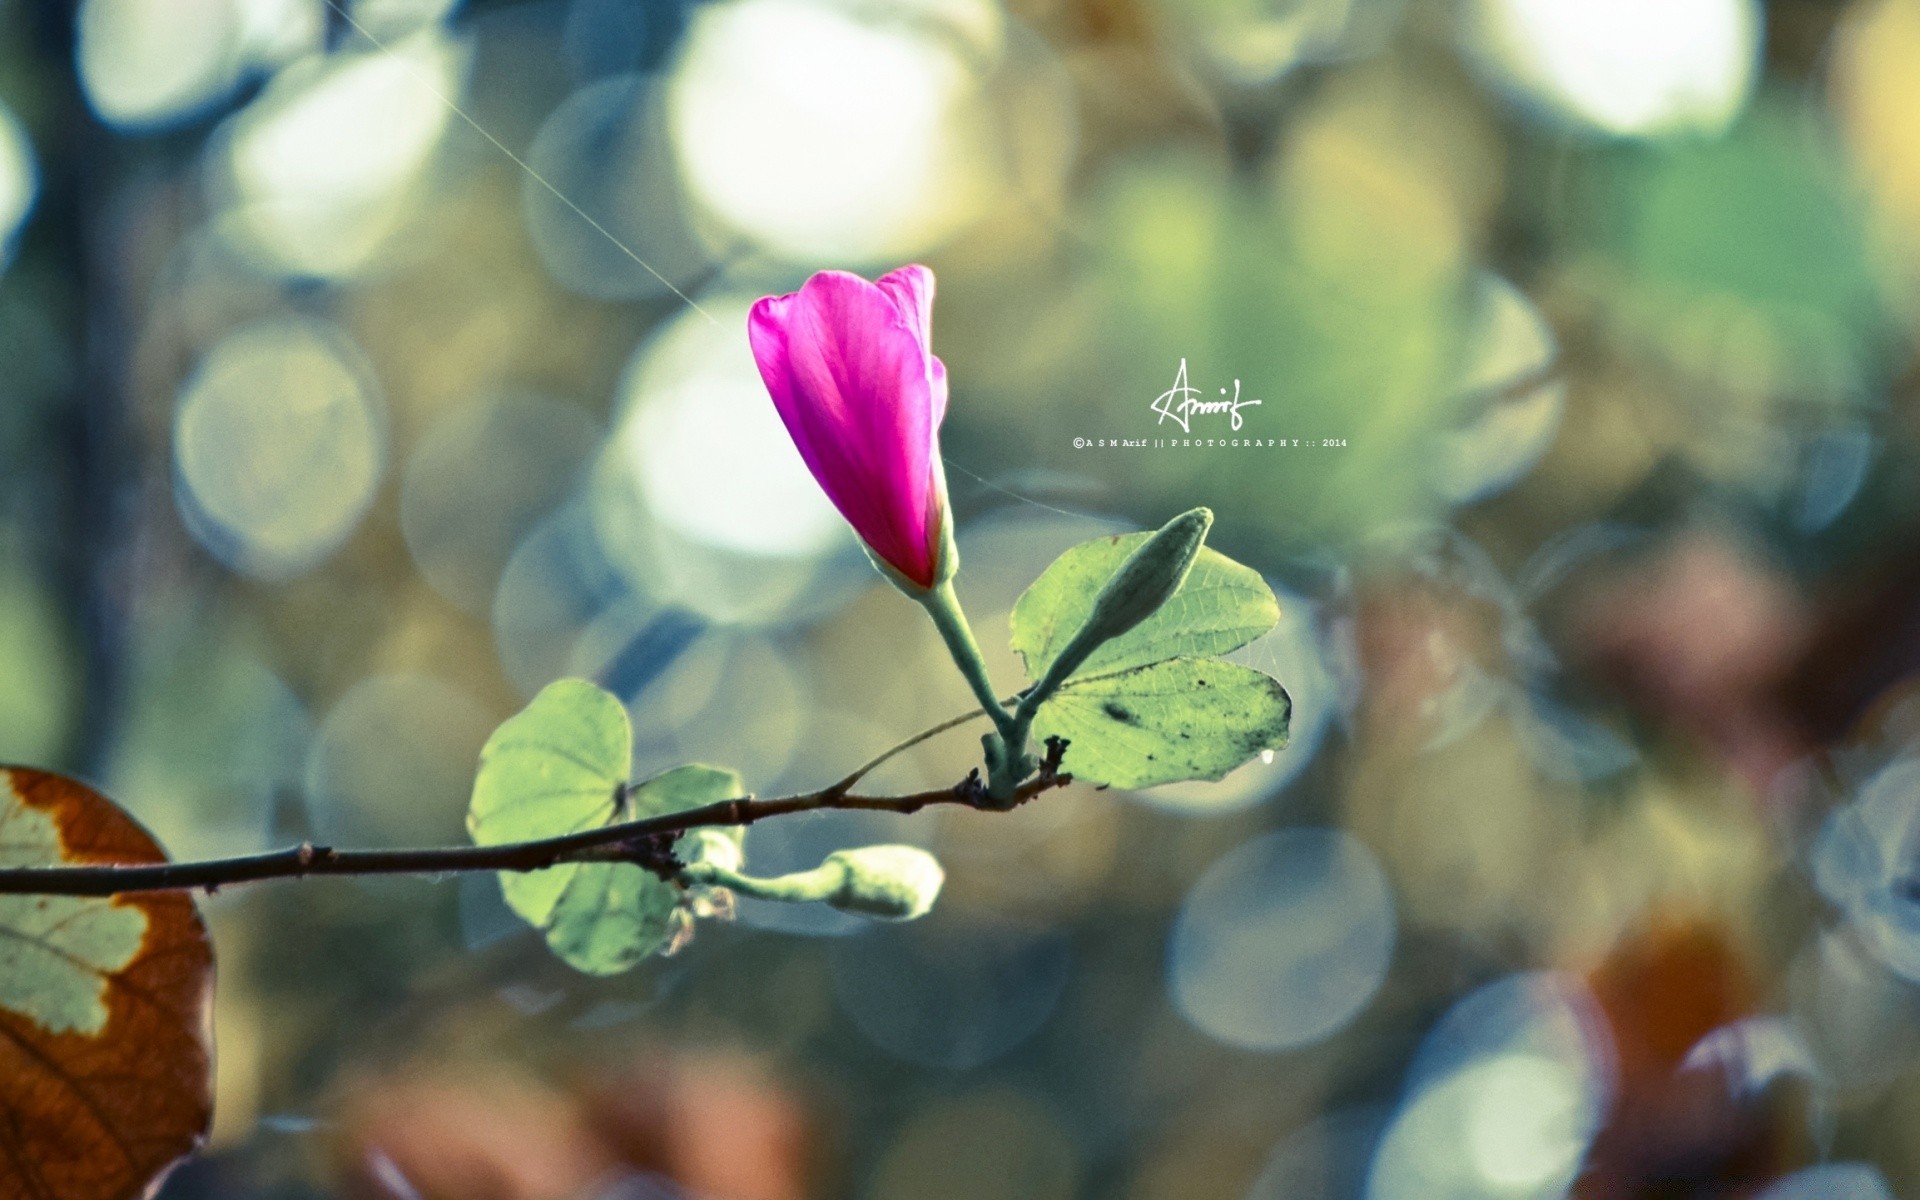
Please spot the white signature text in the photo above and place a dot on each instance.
(1181, 403)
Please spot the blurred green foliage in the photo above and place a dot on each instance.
(1593, 322)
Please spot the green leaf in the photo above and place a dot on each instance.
(611, 915)
(553, 768)
(683, 788)
(558, 767)
(1222, 606)
(1185, 718)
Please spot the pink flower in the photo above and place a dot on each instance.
(849, 368)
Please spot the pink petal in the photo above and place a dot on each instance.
(847, 366)
(939, 387)
(911, 290)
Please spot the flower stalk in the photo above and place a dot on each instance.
(1005, 748)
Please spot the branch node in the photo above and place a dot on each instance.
(972, 791)
(1056, 753)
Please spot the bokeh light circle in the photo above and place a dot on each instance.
(1624, 66)
(711, 457)
(1283, 941)
(700, 497)
(720, 697)
(1510, 1125)
(554, 588)
(1503, 1098)
(1511, 396)
(279, 445)
(821, 135)
(1546, 1013)
(142, 62)
(19, 179)
(321, 171)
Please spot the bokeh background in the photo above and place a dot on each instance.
(369, 364)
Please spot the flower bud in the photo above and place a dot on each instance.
(1147, 580)
(850, 368)
(893, 883)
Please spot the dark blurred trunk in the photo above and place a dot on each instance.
(95, 475)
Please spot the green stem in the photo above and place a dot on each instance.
(944, 607)
(1006, 751)
(821, 883)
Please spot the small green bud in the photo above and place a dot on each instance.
(1147, 580)
(1150, 576)
(893, 883)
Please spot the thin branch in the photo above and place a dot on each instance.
(864, 769)
(647, 842)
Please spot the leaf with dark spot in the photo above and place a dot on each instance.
(1184, 718)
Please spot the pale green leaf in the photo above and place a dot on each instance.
(1222, 606)
(560, 766)
(609, 916)
(1185, 718)
(683, 788)
(553, 768)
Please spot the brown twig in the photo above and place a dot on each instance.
(647, 842)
